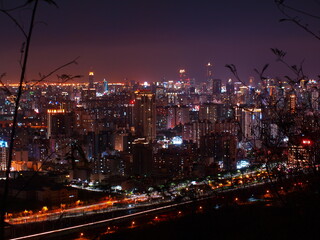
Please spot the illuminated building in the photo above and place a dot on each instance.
(228, 126)
(210, 111)
(251, 124)
(209, 75)
(105, 87)
(242, 93)
(162, 117)
(167, 164)
(108, 165)
(216, 86)
(209, 70)
(222, 147)
(195, 130)
(142, 157)
(59, 123)
(172, 98)
(3, 155)
(230, 87)
(292, 103)
(91, 79)
(298, 155)
(144, 115)
(121, 140)
(88, 94)
(177, 115)
(183, 76)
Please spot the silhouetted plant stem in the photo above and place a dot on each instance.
(15, 119)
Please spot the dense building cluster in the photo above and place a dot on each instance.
(166, 129)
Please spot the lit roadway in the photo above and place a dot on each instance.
(103, 207)
(236, 181)
(97, 223)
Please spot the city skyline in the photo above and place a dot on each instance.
(127, 114)
(149, 41)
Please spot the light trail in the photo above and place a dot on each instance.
(37, 235)
(57, 231)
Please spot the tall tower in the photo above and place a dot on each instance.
(216, 87)
(209, 70)
(3, 155)
(91, 79)
(105, 86)
(144, 115)
(209, 75)
(182, 75)
(292, 103)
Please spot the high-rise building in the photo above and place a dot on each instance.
(210, 111)
(105, 86)
(222, 147)
(91, 79)
(209, 75)
(195, 130)
(3, 155)
(121, 140)
(292, 103)
(59, 123)
(182, 75)
(177, 115)
(142, 157)
(209, 70)
(230, 87)
(216, 87)
(251, 125)
(144, 115)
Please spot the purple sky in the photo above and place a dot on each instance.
(150, 40)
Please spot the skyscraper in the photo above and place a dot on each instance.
(216, 87)
(91, 79)
(209, 75)
(182, 75)
(209, 70)
(144, 115)
(105, 86)
(60, 123)
(3, 155)
(230, 87)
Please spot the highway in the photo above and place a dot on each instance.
(105, 210)
(97, 223)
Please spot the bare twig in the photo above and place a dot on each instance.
(16, 22)
(15, 117)
(295, 19)
(283, 5)
(44, 77)
(3, 86)
(24, 56)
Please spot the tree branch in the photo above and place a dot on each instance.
(44, 77)
(15, 118)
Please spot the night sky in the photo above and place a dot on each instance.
(151, 40)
